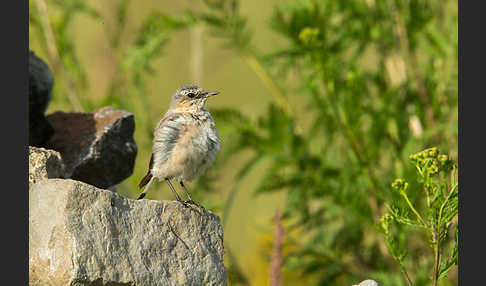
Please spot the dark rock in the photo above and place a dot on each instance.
(40, 92)
(97, 147)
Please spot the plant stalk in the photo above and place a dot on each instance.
(405, 273)
(275, 91)
(414, 210)
(276, 263)
(54, 57)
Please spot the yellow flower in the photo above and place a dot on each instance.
(400, 185)
(442, 158)
(385, 223)
(308, 35)
(432, 152)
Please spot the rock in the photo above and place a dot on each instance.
(82, 235)
(97, 147)
(44, 164)
(40, 92)
(367, 283)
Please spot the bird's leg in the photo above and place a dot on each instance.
(142, 195)
(187, 193)
(175, 193)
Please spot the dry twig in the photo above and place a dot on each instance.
(276, 263)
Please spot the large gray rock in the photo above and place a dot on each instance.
(98, 147)
(44, 164)
(41, 82)
(81, 235)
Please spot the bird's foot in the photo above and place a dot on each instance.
(186, 204)
(194, 203)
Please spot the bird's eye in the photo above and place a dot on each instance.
(191, 95)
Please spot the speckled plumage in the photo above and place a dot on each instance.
(185, 141)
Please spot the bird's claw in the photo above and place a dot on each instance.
(185, 203)
(192, 202)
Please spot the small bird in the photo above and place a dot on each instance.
(185, 141)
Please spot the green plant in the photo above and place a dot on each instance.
(366, 72)
(437, 178)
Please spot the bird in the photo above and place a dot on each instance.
(185, 141)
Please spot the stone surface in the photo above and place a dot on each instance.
(367, 283)
(44, 164)
(82, 235)
(97, 147)
(40, 92)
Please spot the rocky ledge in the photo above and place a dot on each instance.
(82, 235)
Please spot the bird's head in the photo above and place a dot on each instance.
(190, 97)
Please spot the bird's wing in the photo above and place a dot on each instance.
(165, 136)
(167, 133)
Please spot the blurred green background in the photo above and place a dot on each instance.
(331, 95)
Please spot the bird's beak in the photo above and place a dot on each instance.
(211, 93)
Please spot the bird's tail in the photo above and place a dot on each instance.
(148, 176)
(142, 195)
(145, 180)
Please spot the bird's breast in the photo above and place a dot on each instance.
(204, 137)
(185, 144)
(195, 149)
